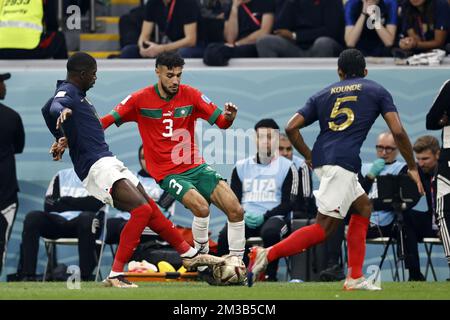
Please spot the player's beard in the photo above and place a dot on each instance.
(169, 93)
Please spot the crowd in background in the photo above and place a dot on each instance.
(218, 30)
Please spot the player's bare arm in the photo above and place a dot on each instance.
(404, 145)
(293, 132)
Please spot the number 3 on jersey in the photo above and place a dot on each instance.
(345, 111)
(169, 128)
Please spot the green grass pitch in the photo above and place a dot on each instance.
(202, 291)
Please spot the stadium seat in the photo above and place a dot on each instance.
(388, 242)
(50, 248)
(428, 244)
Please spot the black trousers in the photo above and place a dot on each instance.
(114, 227)
(417, 225)
(7, 218)
(272, 231)
(52, 226)
(443, 205)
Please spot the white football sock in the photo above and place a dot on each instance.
(114, 274)
(200, 228)
(190, 253)
(236, 238)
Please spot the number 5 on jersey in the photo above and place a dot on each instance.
(345, 111)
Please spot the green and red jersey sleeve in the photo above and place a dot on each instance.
(125, 111)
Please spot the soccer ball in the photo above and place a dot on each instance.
(232, 272)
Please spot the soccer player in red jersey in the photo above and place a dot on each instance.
(102, 174)
(166, 114)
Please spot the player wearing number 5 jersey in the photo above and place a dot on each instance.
(346, 111)
(166, 114)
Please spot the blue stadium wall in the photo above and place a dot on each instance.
(275, 92)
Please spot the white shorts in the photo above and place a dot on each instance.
(102, 176)
(337, 190)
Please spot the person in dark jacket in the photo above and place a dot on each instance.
(437, 118)
(69, 212)
(12, 141)
(305, 28)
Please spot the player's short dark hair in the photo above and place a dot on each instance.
(81, 61)
(170, 59)
(425, 143)
(266, 123)
(352, 63)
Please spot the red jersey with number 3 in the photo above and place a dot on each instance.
(167, 126)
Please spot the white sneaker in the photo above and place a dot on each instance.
(359, 284)
(119, 282)
(257, 264)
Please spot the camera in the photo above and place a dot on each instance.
(397, 189)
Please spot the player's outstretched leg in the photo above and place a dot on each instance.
(144, 212)
(129, 239)
(297, 242)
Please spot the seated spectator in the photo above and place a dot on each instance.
(382, 218)
(305, 203)
(164, 200)
(69, 212)
(173, 24)
(265, 185)
(212, 21)
(246, 21)
(425, 25)
(367, 37)
(130, 26)
(32, 32)
(420, 224)
(210, 26)
(305, 28)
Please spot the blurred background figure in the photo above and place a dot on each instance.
(31, 31)
(305, 28)
(168, 25)
(266, 185)
(12, 141)
(425, 25)
(69, 212)
(374, 41)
